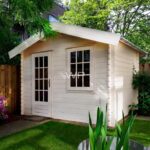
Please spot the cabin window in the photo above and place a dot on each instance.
(80, 68)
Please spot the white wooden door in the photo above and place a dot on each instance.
(41, 84)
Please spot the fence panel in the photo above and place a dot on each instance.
(10, 86)
(145, 68)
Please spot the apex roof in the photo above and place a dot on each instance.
(77, 31)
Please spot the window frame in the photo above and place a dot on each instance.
(90, 88)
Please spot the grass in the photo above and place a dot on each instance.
(62, 136)
(49, 136)
(141, 131)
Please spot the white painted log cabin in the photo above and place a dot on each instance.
(72, 74)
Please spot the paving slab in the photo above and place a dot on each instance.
(19, 125)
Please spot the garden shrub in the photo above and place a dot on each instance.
(141, 81)
(3, 110)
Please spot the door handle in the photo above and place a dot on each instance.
(49, 83)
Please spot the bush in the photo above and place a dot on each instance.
(141, 81)
(3, 110)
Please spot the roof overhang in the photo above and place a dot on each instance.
(87, 33)
(76, 31)
(133, 46)
(24, 45)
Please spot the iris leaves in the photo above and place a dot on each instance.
(98, 135)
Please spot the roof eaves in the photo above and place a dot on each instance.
(87, 33)
(25, 44)
(128, 43)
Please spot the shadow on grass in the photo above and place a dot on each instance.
(58, 136)
(51, 135)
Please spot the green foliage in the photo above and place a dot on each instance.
(141, 81)
(98, 136)
(140, 130)
(89, 13)
(128, 17)
(123, 132)
(28, 15)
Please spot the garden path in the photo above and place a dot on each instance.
(19, 125)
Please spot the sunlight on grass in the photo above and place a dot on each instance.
(56, 136)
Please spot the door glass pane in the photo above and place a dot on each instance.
(46, 96)
(41, 84)
(41, 78)
(73, 81)
(36, 73)
(36, 84)
(36, 62)
(45, 61)
(41, 73)
(87, 68)
(79, 56)
(41, 95)
(86, 56)
(41, 61)
(73, 57)
(45, 72)
(36, 96)
(45, 84)
(86, 81)
(79, 81)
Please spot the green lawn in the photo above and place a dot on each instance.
(62, 136)
(141, 131)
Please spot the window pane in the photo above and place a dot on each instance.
(41, 95)
(87, 68)
(73, 81)
(79, 81)
(41, 61)
(45, 72)
(41, 73)
(36, 73)
(73, 68)
(73, 57)
(36, 62)
(79, 56)
(46, 96)
(79, 68)
(45, 84)
(86, 55)
(45, 61)
(36, 84)
(36, 95)
(86, 81)
(41, 84)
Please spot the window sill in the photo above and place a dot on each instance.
(80, 89)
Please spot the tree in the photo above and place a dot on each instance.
(91, 14)
(131, 18)
(25, 16)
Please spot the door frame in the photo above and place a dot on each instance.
(49, 103)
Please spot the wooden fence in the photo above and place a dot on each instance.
(10, 86)
(145, 68)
